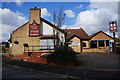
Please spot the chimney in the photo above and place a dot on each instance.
(35, 14)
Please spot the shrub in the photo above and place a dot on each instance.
(63, 56)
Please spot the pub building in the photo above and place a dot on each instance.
(98, 42)
(39, 36)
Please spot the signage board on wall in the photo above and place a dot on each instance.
(34, 29)
(113, 26)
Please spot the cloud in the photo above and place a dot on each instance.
(44, 12)
(5, 31)
(69, 13)
(80, 6)
(113, 6)
(97, 17)
(19, 2)
(18, 13)
(10, 21)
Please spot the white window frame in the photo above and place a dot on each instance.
(75, 43)
(47, 46)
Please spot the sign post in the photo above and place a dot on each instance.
(113, 29)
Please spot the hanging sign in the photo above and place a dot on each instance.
(34, 29)
(113, 26)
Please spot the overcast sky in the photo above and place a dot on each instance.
(91, 16)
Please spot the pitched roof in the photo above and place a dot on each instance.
(41, 19)
(80, 33)
(20, 26)
(91, 36)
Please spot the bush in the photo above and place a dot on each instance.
(63, 56)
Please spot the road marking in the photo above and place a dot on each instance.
(107, 69)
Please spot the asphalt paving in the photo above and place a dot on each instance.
(78, 73)
(99, 61)
(18, 72)
(81, 74)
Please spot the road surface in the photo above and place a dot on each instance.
(17, 72)
(82, 74)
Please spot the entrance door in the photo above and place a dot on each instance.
(111, 44)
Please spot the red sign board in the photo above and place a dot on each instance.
(113, 26)
(34, 29)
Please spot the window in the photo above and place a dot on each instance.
(25, 45)
(93, 44)
(118, 44)
(74, 43)
(30, 54)
(47, 44)
(16, 42)
(83, 44)
(101, 43)
(107, 42)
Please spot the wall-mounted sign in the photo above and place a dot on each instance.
(34, 29)
(113, 26)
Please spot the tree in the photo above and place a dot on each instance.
(63, 56)
(58, 20)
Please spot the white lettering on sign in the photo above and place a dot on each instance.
(34, 29)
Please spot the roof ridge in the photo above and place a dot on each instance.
(78, 32)
(99, 32)
(44, 21)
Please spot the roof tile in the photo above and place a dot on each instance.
(78, 32)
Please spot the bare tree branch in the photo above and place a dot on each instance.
(58, 20)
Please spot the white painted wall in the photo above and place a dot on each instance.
(46, 29)
(62, 37)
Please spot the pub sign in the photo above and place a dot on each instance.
(34, 29)
(113, 26)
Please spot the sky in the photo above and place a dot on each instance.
(91, 16)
